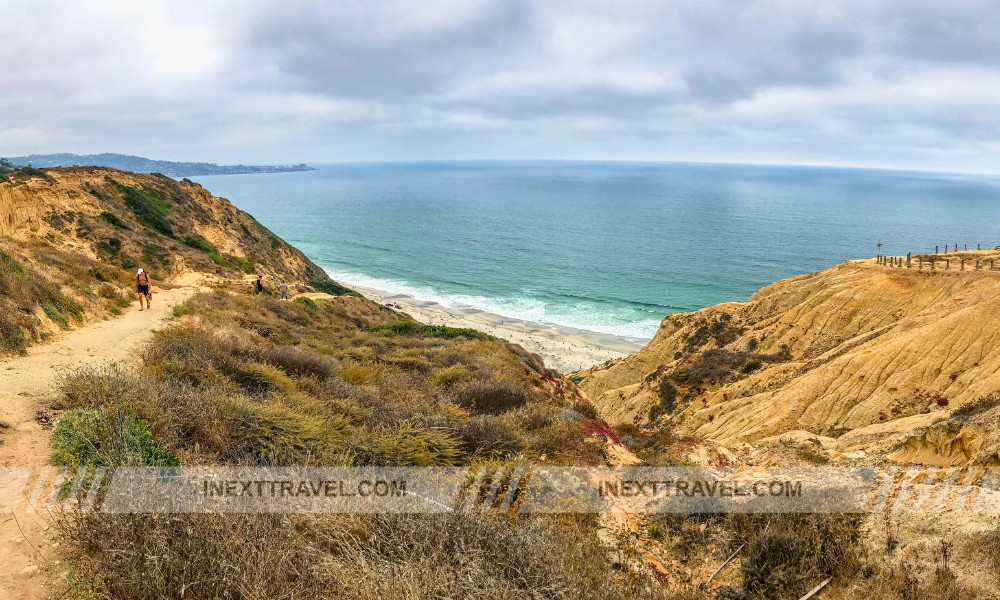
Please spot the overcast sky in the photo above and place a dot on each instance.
(909, 83)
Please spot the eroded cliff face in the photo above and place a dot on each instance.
(20, 209)
(861, 351)
(69, 209)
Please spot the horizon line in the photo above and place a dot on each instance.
(898, 169)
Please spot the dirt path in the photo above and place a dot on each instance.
(29, 560)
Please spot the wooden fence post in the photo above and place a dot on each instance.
(908, 259)
(963, 264)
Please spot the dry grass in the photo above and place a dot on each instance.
(259, 382)
(365, 557)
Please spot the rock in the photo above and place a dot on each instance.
(29, 571)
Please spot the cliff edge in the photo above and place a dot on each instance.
(867, 355)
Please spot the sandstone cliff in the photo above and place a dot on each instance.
(862, 356)
(71, 239)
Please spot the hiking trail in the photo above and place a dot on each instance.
(30, 564)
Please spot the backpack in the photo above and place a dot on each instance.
(138, 277)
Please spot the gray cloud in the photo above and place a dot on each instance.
(880, 83)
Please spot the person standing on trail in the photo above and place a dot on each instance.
(143, 287)
(260, 285)
(283, 288)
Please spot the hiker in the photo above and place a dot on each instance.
(260, 285)
(143, 287)
(283, 288)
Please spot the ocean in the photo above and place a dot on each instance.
(606, 247)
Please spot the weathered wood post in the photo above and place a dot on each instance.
(979, 246)
(963, 264)
(920, 262)
(977, 265)
(956, 246)
(933, 264)
(966, 246)
(908, 259)
(947, 263)
(945, 248)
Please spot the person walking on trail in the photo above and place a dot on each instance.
(283, 288)
(260, 285)
(143, 287)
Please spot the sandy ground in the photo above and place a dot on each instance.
(29, 556)
(563, 348)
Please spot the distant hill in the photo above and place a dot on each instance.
(139, 164)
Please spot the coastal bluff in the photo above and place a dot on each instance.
(863, 356)
(71, 240)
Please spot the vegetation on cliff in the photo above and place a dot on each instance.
(255, 381)
(71, 240)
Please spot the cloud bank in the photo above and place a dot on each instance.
(910, 83)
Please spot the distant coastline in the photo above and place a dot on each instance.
(140, 164)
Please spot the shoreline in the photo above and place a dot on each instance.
(564, 349)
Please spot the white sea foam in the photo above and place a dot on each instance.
(516, 307)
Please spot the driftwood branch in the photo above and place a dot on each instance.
(705, 584)
(816, 589)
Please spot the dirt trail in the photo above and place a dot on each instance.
(29, 561)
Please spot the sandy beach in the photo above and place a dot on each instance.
(563, 348)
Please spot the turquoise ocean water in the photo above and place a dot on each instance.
(607, 247)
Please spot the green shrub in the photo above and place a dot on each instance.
(200, 243)
(333, 288)
(147, 206)
(155, 254)
(100, 273)
(433, 331)
(238, 262)
(307, 302)
(58, 306)
(8, 265)
(114, 220)
(235, 262)
(95, 437)
(28, 172)
(12, 336)
(668, 398)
